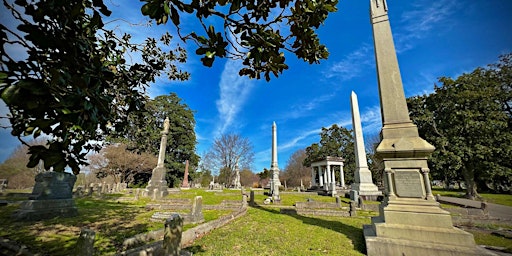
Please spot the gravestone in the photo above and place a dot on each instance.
(51, 197)
(172, 235)
(196, 214)
(251, 198)
(85, 243)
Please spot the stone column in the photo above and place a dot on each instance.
(158, 182)
(313, 176)
(325, 178)
(320, 176)
(275, 182)
(328, 171)
(333, 177)
(342, 176)
(407, 207)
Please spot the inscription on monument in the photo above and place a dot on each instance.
(408, 183)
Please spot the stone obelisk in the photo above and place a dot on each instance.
(185, 184)
(274, 169)
(157, 186)
(410, 221)
(363, 184)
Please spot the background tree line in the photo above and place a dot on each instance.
(469, 121)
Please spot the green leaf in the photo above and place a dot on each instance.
(175, 17)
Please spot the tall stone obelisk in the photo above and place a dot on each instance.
(274, 169)
(410, 221)
(157, 186)
(363, 177)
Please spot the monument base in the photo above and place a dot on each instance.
(33, 210)
(417, 228)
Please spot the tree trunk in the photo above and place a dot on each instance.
(469, 179)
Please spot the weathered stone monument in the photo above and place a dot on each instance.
(236, 181)
(410, 221)
(51, 197)
(172, 235)
(274, 169)
(185, 184)
(157, 186)
(363, 183)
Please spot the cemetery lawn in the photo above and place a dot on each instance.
(264, 231)
(502, 199)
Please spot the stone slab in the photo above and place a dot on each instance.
(46, 209)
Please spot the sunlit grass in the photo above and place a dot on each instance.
(264, 231)
(503, 199)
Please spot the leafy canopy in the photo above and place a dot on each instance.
(254, 31)
(72, 81)
(469, 121)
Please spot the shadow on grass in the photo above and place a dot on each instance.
(352, 233)
(195, 249)
(112, 221)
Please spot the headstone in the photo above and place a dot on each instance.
(354, 196)
(196, 214)
(99, 188)
(90, 190)
(410, 220)
(137, 192)
(353, 211)
(363, 183)
(338, 201)
(251, 199)
(157, 186)
(244, 200)
(85, 243)
(51, 197)
(172, 235)
(53, 185)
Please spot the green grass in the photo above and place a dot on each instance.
(484, 237)
(503, 199)
(112, 221)
(264, 231)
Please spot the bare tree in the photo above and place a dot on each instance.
(226, 153)
(121, 164)
(295, 171)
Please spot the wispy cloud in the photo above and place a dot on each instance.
(352, 65)
(426, 16)
(234, 90)
(305, 108)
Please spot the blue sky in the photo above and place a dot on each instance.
(433, 38)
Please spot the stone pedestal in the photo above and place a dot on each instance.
(157, 186)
